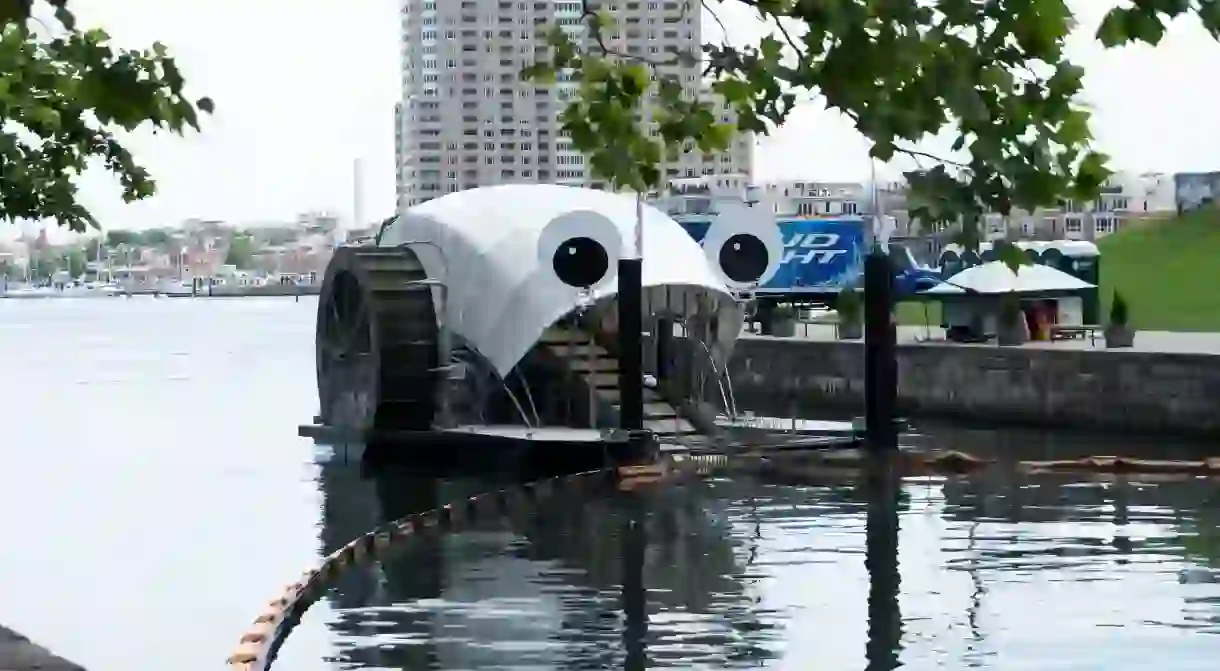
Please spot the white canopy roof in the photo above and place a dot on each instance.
(996, 277)
(1069, 248)
(503, 296)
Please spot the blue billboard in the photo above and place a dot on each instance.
(819, 254)
(826, 255)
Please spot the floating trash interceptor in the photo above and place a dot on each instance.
(497, 306)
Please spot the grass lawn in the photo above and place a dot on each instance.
(911, 313)
(1169, 272)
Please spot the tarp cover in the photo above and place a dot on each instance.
(502, 296)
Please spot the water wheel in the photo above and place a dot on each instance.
(377, 354)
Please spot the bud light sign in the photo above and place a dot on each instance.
(821, 254)
(818, 253)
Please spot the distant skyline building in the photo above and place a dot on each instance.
(466, 119)
(1125, 198)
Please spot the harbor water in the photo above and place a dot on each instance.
(154, 495)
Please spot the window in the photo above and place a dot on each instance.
(1103, 226)
(1073, 225)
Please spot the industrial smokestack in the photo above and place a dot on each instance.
(358, 194)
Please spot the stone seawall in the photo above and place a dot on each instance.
(1100, 389)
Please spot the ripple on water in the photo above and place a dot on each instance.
(170, 481)
(1053, 574)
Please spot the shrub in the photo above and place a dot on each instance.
(1010, 309)
(849, 306)
(784, 312)
(1118, 310)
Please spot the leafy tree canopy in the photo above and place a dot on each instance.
(157, 237)
(241, 252)
(117, 237)
(994, 74)
(65, 93)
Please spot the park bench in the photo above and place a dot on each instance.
(1064, 332)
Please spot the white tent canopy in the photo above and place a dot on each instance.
(503, 296)
(996, 277)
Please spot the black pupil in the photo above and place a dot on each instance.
(744, 258)
(580, 262)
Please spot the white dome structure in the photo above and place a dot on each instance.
(995, 277)
(499, 252)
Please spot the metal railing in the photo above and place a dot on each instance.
(724, 383)
(468, 356)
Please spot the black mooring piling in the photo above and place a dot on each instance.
(880, 354)
(664, 337)
(630, 344)
(641, 443)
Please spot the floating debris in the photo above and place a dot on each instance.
(1116, 465)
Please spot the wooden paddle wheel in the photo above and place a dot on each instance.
(377, 344)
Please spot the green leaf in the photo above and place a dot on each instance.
(65, 18)
(1209, 15)
(1091, 174)
(882, 151)
(993, 74)
(1145, 26)
(62, 101)
(1012, 256)
(541, 73)
(44, 117)
(1074, 129)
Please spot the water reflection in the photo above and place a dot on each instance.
(635, 595)
(153, 489)
(881, 562)
(998, 571)
(632, 581)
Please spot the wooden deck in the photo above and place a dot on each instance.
(560, 448)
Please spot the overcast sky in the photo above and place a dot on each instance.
(304, 88)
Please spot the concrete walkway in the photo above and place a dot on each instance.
(1171, 342)
(18, 653)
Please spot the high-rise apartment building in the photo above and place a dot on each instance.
(466, 119)
(399, 154)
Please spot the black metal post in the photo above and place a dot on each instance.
(880, 355)
(664, 339)
(765, 314)
(630, 344)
